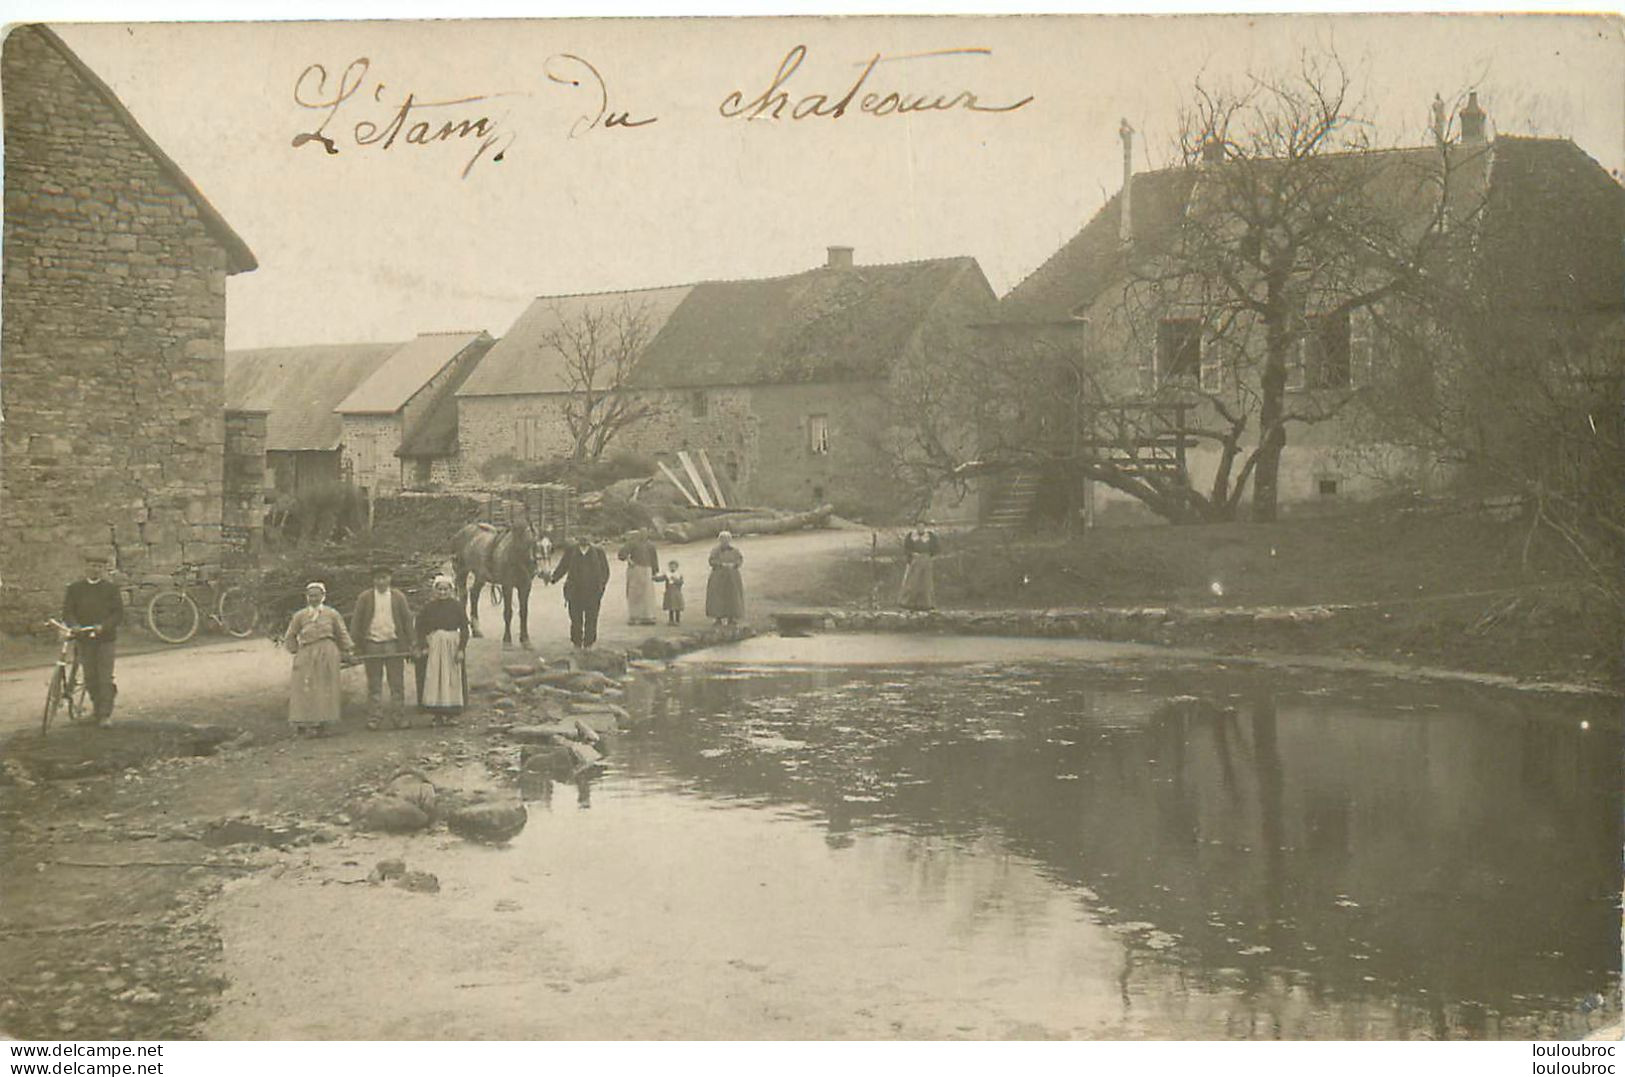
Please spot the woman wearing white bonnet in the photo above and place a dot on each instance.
(443, 632)
(318, 639)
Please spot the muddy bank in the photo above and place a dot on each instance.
(1282, 636)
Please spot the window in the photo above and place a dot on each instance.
(699, 404)
(1325, 350)
(818, 435)
(1179, 350)
(1328, 487)
(423, 468)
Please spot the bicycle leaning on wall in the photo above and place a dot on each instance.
(174, 616)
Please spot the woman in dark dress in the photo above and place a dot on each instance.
(443, 628)
(725, 590)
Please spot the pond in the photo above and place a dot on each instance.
(992, 846)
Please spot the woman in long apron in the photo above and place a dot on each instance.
(642, 566)
(443, 628)
(318, 639)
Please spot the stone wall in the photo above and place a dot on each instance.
(757, 437)
(369, 448)
(242, 519)
(113, 311)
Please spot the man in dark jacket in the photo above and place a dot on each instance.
(381, 626)
(94, 604)
(587, 569)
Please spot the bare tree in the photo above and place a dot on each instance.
(1223, 333)
(1296, 225)
(600, 348)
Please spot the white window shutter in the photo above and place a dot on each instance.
(1360, 342)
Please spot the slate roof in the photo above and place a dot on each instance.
(520, 363)
(299, 387)
(1551, 226)
(412, 366)
(239, 259)
(825, 324)
(435, 434)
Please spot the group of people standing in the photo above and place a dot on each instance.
(384, 632)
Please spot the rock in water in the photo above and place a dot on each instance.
(413, 788)
(392, 815)
(489, 821)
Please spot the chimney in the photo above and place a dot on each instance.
(840, 258)
(1472, 120)
(1125, 224)
(1212, 151)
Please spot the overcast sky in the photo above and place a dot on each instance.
(374, 244)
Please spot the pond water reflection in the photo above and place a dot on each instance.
(1203, 853)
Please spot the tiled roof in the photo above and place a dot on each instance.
(435, 433)
(825, 324)
(1552, 225)
(521, 362)
(299, 388)
(406, 372)
(239, 259)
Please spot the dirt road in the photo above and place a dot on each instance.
(224, 676)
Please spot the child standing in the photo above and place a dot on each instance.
(672, 603)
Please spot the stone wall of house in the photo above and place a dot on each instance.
(113, 312)
(760, 439)
(242, 520)
(369, 444)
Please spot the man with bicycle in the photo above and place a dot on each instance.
(95, 608)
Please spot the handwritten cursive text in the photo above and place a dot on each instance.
(775, 103)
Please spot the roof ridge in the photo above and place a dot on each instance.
(309, 347)
(451, 332)
(237, 249)
(754, 280)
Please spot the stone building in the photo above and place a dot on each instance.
(403, 418)
(784, 382)
(113, 339)
(297, 388)
(1541, 223)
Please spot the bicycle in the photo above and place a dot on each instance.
(173, 614)
(68, 685)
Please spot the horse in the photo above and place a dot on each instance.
(505, 558)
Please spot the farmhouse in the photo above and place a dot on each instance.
(297, 388)
(113, 341)
(784, 382)
(404, 413)
(1541, 224)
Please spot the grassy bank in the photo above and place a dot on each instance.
(1436, 585)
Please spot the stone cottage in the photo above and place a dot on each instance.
(112, 380)
(784, 382)
(408, 403)
(1541, 223)
(297, 388)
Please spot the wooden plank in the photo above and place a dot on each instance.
(693, 474)
(675, 481)
(711, 476)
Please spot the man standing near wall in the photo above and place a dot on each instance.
(381, 627)
(95, 603)
(587, 569)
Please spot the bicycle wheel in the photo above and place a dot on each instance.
(76, 693)
(53, 701)
(239, 613)
(172, 616)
